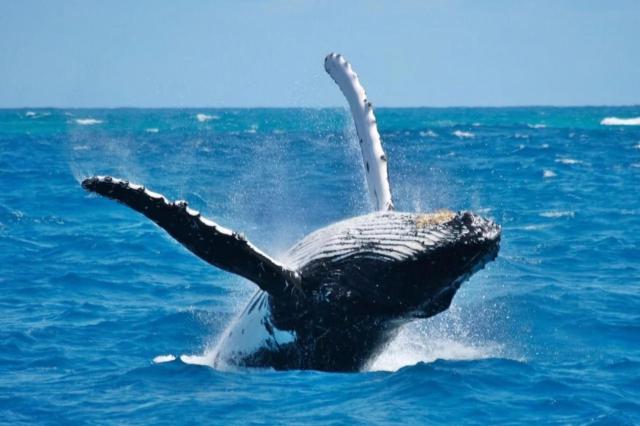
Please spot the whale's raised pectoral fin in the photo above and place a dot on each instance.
(211, 242)
(373, 156)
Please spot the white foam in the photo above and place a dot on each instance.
(87, 121)
(535, 227)
(548, 174)
(205, 117)
(616, 121)
(536, 126)
(558, 214)
(429, 133)
(568, 161)
(160, 359)
(197, 360)
(637, 146)
(444, 337)
(410, 352)
(30, 114)
(463, 135)
(152, 130)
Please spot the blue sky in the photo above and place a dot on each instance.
(270, 52)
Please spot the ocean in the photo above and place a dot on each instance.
(96, 300)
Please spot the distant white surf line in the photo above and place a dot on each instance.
(87, 121)
(616, 121)
(33, 114)
(205, 117)
(152, 130)
(536, 126)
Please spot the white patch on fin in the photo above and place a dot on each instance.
(373, 156)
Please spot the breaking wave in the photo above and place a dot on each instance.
(205, 117)
(616, 121)
(463, 135)
(87, 121)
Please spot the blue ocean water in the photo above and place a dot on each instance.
(92, 292)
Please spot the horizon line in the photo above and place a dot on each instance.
(331, 107)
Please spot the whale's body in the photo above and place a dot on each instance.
(341, 292)
(362, 287)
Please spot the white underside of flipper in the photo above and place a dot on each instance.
(375, 160)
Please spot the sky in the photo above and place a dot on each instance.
(269, 53)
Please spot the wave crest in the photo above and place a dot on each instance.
(205, 117)
(617, 121)
(463, 135)
(87, 121)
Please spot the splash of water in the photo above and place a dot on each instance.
(448, 336)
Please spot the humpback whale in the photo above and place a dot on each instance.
(342, 292)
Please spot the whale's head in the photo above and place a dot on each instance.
(457, 246)
(392, 265)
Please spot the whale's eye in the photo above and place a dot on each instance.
(435, 218)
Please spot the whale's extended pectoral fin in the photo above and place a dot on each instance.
(211, 242)
(373, 156)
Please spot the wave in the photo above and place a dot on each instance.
(429, 133)
(205, 117)
(87, 121)
(463, 135)
(33, 114)
(548, 174)
(537, 126)
(568, 161)
(616, 121)
(555, 214)
(152, 130)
